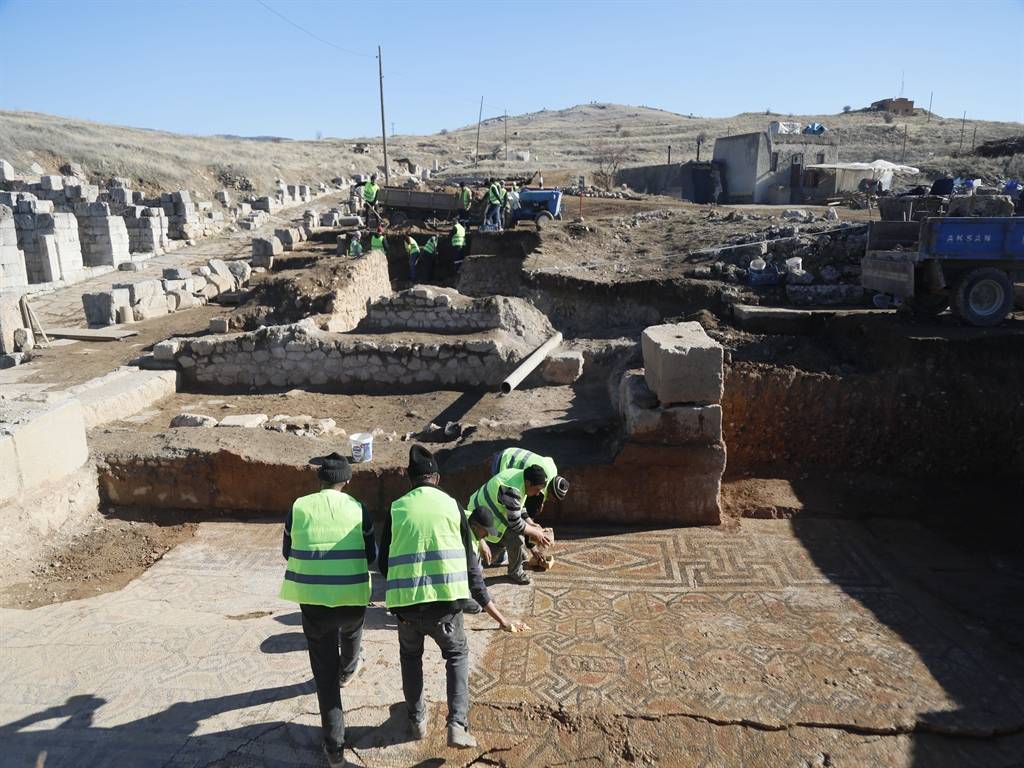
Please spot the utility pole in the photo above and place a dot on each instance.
(383, 129)
(975, 136)
(906, 127)
(669, 155)
(963, 127)
(506, 135)
(930, 97)
(392, 127)
(480, 117)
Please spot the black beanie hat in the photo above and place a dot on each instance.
(421, 462)
(333, 468)
(535, 475)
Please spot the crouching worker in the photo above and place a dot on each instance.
(329, 544)
(427, 559)
(481, 525)
(504, 495)
(520, 458)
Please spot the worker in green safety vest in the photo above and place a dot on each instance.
(412, 250)
(429, 566)
(504, 494)
(458, 244)
(465, 196)
(377, 241)
(355, 247)
(427, 260)
(370, 190)
(495, 200)
(328, 543)
(520, 458)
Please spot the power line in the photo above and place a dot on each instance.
(312, 34)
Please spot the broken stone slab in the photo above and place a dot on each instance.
(220, 267)
(241, 270)
(193, 420)
(176, 273)
(166, 349)
(646, 421)
(130, 266)
(682, 364)
(143, 289)
(247, 420)
(289, 237)
(182, 299)
(264, 249)
(150, 307)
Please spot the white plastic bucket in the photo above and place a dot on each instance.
(362, 446)
(794, 264)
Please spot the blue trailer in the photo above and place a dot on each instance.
(969, 264)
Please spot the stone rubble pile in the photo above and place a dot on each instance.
(178, 289)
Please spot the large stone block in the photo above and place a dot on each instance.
(645, 421)
(50, 444)
(10, 321)
(143, 289)
(682, 364)
(103, 308)
(151, 306)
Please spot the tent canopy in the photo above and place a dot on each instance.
(878, 166)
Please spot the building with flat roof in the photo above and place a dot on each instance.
(770, 168)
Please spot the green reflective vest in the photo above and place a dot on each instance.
(459, 235)
(327, 562)
(355, 248)
(487, 496)
(427, 559)
(520, 458)
(466, 197)
(431, 245)
(494, 196)
(411, 247)
(370, 192)
(377, 242)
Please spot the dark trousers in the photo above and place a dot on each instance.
(450, 636)
(333, 636)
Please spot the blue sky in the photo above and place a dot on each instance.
(232, 66)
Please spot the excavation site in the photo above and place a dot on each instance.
(545, 448)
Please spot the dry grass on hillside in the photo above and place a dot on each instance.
(561, 142)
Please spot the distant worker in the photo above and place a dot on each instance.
(495, 200)
(458, 244)
(377, 241)
(465, 196)
(355, 247)
(425, 557)
(412, 249)
(428, 257)
(329, 544)
(504, 495)
(520, 458)
(370, 191)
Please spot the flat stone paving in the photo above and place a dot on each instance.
(770, 644)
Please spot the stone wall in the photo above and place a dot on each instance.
(446, 311)
(12, 258)
(361, 282)
(301, 355)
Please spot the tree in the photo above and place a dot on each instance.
(889, 117)
(609, 158)
(847, 108)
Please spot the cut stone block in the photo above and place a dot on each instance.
(561, 367)
(193, 420)
(219, 325)
(151, 306)
(143, 289)
(176, 273)
(241, 270)
(645, 421)
(102, 308)
(682, 364)
(51, 444)
(248, 420)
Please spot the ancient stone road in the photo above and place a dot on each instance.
(774, 644)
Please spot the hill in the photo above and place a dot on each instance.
(561, 143)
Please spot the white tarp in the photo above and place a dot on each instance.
(785, 127)
(848, 175)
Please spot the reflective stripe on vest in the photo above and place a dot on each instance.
(327, 562)
(459, 236)
(494, 194)
(377, 243)
(430, 246)
(487, 496)
(370, 192)
(427, 560)
(520, 458)
(411, 247)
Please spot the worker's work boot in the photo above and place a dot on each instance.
(417, 729)
(460, 737)
(520, 578)
(335, 757)
(344, 679)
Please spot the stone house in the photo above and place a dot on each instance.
(770, 168)
(900, 106)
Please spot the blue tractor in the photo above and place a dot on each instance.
(540, 206)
